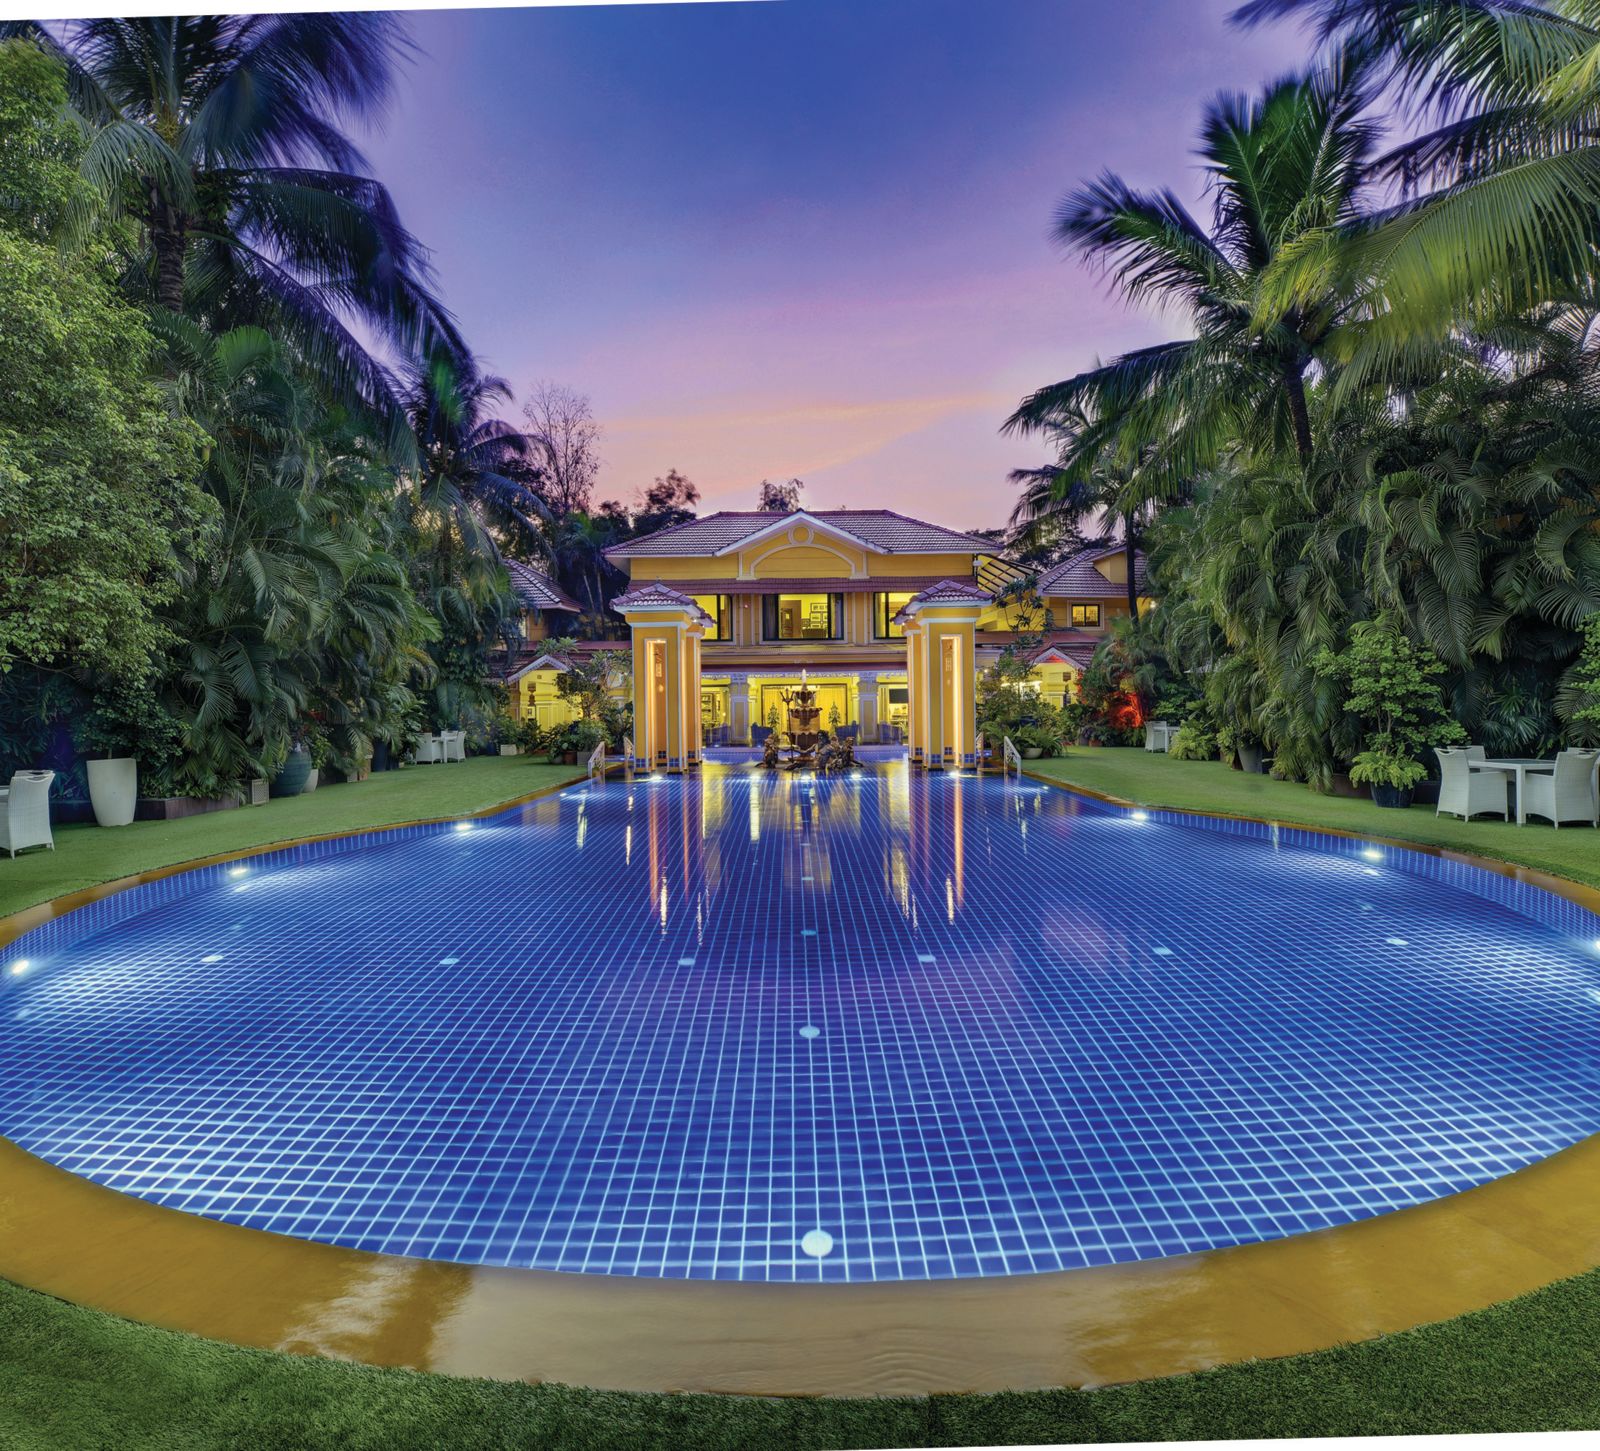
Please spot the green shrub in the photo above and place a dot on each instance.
(1391, 689)
(1196, 740)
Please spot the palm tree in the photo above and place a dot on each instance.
(1280, 166)
(298, 605)
(1097, 481)
(1501, 190)
(222, 137)
(476, 472)
(581, 540)
(475, 487)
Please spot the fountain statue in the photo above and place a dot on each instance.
(804, 743)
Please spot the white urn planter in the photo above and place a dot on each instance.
(114, 790)
(312, 777)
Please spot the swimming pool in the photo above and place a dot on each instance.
(744, 1026)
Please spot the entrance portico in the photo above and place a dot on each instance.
(940, 625)
(667, 628)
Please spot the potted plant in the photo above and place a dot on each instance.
(319, 750)
(113, 771)
(1392, 691)
(124, 722)
(290, 778)
(582, 736)
(1035, 741)
(1391, 774)
(1239, 745)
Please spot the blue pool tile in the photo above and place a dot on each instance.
(575, 1037)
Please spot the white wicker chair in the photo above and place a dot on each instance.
(454, 745)
(1567, 793)
(1156, 735)
(1467, 793)
(429, 751)
(25, 812)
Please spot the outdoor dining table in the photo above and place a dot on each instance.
(1517, 767)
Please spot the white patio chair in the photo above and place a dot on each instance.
(1566, 793)
(429, 751)
(454, 745)
(25, 812)
(1467, 793)
(1155, 735)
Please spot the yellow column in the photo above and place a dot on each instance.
(940, 626)
(667, 628)
(915, 712)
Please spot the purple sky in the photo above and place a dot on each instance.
(803, 237)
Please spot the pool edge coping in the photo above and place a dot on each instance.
(15, 925)
(66, 1236)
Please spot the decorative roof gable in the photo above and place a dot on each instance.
(658, 596)
(946, 592)
(879, 531)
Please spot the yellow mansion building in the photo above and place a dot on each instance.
(726, 611)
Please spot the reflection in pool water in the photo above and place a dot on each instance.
(777, 1028)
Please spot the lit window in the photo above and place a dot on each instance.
(803, 617)
(885, 608)
(720, 608)
(1086, 616)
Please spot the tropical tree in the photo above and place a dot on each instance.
(1501, 189)
(579, 542)
(1108, 486)
(474, 490)
(298, 612)
(1290, 162)
(98, 502)
(223, 138)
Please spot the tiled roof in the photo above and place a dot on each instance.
(946, 592)
(538, 591)
(1078, 579)
(509, 666)
(881, 530)
(1076, 645)
(657, 596)
(896, 584)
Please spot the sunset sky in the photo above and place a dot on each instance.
(805, 238)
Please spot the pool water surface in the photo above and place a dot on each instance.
(746, 1026)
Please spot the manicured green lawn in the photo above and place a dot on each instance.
(1151, 779)
(74, 1378)
(85, 855)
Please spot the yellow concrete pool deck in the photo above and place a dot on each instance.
(68, 1237)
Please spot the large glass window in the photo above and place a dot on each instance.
(802, 617)
(1086, 616)
(884, 608)
(720, 608)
